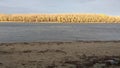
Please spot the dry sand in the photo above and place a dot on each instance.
(57, 54)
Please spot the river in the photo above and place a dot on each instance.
(26, 32)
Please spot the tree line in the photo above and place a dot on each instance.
(60, 18)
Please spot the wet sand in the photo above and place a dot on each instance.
(58, 54)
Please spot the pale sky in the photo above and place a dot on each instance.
(111, 7)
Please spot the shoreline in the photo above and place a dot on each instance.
(59, 54)
(78, 41)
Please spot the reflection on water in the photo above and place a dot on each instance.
(21, 32)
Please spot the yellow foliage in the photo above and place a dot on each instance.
(60, 18)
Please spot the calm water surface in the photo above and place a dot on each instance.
(25, 32)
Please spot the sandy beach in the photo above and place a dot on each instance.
(79, 54)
